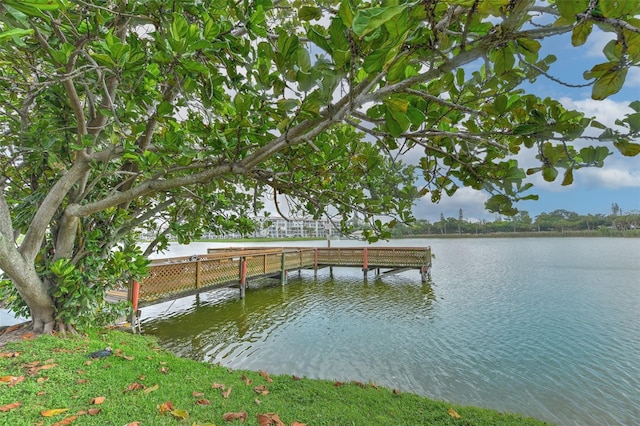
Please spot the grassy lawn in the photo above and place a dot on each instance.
(51, 380)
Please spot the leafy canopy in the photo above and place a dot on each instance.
(184, 116)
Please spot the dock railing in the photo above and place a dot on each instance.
(180, 276)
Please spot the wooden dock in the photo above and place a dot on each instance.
(177, 277)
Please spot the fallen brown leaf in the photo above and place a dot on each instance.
(203, 402)
(151, 389)
(296, 377)
(453, 413)
(9, 354)
(10, 407)
(66, 421)
(226, 393)
(41, 379)
(266, 376)
(229, 417)
(396, 391)
(53, 412)
(164, 370)
(247, 380)
(11, 328)
(28, 336)
(40, 393)
(357, 383)
(197, 394)
(34, 370)
(217, 386)
(338, 384)
(165, 406)
(269, 419)
(12, 380)
(97, 400)
(82, 381)
(136, 423)
(298, 424)
(94, 411)
(133, 387)
(262, 390)
(180, 414)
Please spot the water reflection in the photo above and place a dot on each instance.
(204, 324)
(543, 327)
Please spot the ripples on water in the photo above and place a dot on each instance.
(545, 327)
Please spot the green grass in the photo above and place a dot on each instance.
(72, 381)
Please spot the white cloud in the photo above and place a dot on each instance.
(611, 176)
(469, 200)
(633, 78)
(606, 111)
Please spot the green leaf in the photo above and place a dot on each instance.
(581, 32)
(610, 83)
(570, 8)
(368, 20)
(568, 177)
(345, 13)
(549, 173)
(529, 48)
(635, 105)
(618, 8)
(626, 148)
(527, 129)
(634, 122)
(309, 13)
(195, 67)
(374, 62)
(503, 59)
(15, 32)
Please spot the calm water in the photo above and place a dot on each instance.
(544, 327)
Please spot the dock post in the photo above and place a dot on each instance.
(283, 276)
(243, 276)
(135, 299)
(425, 273)
(365, 261)
(315, 262)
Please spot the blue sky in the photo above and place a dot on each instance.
(593, 190)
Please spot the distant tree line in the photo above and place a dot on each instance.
(558, 221)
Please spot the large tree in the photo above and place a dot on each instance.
(181, 116)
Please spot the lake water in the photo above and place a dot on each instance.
(548, 328)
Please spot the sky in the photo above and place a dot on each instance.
(594, 189)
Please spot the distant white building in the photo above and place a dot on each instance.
(278, 227)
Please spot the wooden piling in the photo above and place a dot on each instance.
(243, 276)
(283, 273)
(365, 261)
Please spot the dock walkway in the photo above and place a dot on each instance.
(177, 277)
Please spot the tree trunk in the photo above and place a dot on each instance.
(32, 289)
(34, 293)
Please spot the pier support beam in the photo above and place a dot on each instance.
(425, 273)
(283, 276)
(365, 261)
(243, 276)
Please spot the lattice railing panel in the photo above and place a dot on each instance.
(399, 257)
(168, 279)
(340, 256)
(218, 271)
